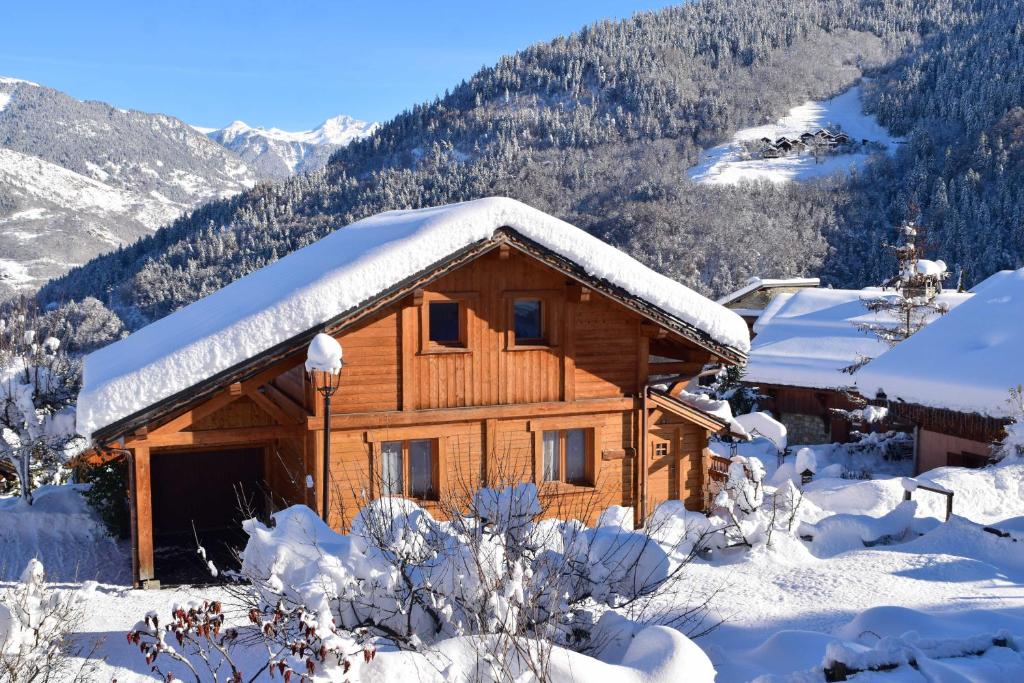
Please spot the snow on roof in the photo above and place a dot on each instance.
(806, 338)
(340, 272)
(966, 361)
(756, 283)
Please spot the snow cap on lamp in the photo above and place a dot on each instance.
(324, 354)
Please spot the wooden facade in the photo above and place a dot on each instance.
(569, 409)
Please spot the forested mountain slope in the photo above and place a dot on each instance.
(599, 128)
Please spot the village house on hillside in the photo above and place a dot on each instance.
(752, 299)
(952, 380)
(483, 343)
(803, 357)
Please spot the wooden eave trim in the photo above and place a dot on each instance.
(687, 412)
(506, 236)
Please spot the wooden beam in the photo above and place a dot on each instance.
(471, 414)
(675, 368)
(143, 497)
(504, 251)
(286, 402)
(220, 437)
(272, 409)
(686, 412)
(235, 389)
(190, 417)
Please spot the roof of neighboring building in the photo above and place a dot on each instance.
(967, 361)
(756, 283)
(352, 268)
(807, 338)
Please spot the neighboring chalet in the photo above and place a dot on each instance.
(484, 343)
(750, 300)
(952, 380)
(806, 347)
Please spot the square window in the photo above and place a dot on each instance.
(445, 323)
(661, 449)
(552, 456)
(391, 468)
(529, 320)
(575, 455)
(421, 468)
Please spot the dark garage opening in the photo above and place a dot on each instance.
(198, 493)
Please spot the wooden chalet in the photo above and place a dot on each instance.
(951, 381)
(506, 346)
(804, 356)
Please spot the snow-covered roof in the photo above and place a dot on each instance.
(966, 361)
(756, 283)
(806, 338)
(340, 273)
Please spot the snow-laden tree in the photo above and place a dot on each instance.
(1012, 445)
(748, 512)
(38, 385)
(37, 624)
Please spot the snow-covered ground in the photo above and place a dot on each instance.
(879, 579)
(726, 165)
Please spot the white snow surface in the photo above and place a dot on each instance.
(4, 99)
(966, 361)
(724, 164)
(343, 270)
(806, 338)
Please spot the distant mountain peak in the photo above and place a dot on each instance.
(276, 153)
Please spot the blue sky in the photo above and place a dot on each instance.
(290, 63)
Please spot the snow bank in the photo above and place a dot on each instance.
(60, 529)
(337, 274)
(967, 361)
(655, 654)
(763, 424)
(807, 338)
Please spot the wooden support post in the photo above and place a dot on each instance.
(143, 499)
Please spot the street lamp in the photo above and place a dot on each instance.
(323, 363)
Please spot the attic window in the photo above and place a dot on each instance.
(529, 321)
(445, 323)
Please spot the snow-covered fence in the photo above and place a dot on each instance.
(843, 660)
(910, 485)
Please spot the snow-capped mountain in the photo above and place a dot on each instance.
(80, 178)
(275, 153)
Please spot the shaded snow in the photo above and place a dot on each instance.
(724, 164)
(351, 266)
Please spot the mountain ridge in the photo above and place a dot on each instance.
(277, 154)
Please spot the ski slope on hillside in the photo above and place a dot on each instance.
(726, 164)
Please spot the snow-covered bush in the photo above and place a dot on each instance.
(748, 512)
(729, 386)
(36, 627)
(1012, 445)
(493, 572)
(38, 385)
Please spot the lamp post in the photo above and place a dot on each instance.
(323, 363)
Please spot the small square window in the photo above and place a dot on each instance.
(445, 323)
(660, 449)
(529, 320)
